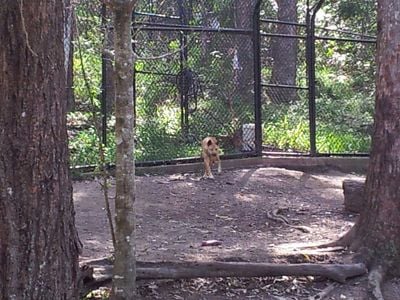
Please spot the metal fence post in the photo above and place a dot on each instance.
(183, 14)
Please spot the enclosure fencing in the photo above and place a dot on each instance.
(254, 80)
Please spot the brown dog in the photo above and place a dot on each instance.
(210, 155)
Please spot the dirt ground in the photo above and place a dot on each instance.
(176, 213)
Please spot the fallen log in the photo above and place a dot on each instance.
(354, 196)
(243, 269)
(187, 270)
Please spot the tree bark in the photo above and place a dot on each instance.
(284, 53)
(379, 223)
(39, 244)
(354, 195)
(375, 236)
(124, 278)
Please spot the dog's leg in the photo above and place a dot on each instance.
(207, 169)
(219, 165)
(211, 176)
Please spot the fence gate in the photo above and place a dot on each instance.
(196, 75)
(317, 83)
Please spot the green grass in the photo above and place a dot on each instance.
(287, 135)
(286, 127)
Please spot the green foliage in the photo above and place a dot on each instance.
(330, 140)
(83, 121)
(339, 124)
(345, 97)
(87, 59)
(286, 126)
(84, 148)
(354, 14)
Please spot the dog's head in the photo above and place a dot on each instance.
(211, 146)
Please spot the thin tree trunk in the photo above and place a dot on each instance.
(284, 53)
(124, 278)
(39, 244)
(243, 71)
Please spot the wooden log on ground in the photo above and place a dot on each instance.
(354, 195)
(335, 272)
(186, 270)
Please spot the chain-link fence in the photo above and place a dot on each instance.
(285, 94)
(194, 77)
(85, 119)
(277, 82)
(345, 95)
(318, 83)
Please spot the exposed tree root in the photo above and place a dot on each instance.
(344, 242)
(375, 280)
(325, 292)
(274, 215)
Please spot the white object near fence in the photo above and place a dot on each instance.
(248, 137)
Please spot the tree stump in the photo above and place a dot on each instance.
(354, 195)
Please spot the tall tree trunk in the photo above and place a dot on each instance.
(124, 278)
(376, 236)
(39, 244)
(284, 53)
(379, 225)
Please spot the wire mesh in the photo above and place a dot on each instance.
(345, 98)
(345, 95)
(194, 77)
(84, 118)
(344, 84)
(285, 115)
